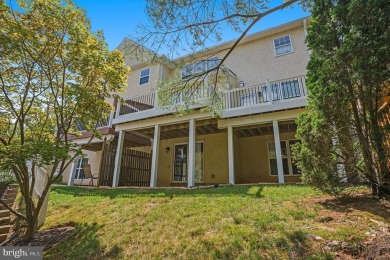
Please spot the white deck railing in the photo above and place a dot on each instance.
(280, 90)
(257, 94)
(138, 103)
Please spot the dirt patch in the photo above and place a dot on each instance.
(344, 210)
(379, 248)
(46, 238)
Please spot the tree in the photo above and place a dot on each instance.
(343, 140)
(188, 26)
(53, 70)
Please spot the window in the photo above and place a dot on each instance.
(282, 45)
(198, 67)
(180, 168)
(79, 168)
(186, 71)
(289, 164)
(144, 76)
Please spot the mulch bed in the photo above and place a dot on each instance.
(46, 238)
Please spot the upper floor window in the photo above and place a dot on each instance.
(198, 67)
(144, 76)
(283, 45)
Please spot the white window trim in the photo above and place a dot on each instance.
(192, 65)
(173, 162)
(139, 78)
(292, 47)
(79, 167)
(290, 170)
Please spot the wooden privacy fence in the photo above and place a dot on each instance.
(107, 164)
(135, 168)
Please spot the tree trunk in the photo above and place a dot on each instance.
(380, 190)
(31, 228)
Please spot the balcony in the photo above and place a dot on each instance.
(284, 94)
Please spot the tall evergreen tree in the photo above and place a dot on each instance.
(343, 140)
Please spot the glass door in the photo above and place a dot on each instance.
(180, 168)
(180, 163)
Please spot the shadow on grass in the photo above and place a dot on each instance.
(251, 191)
(362, 202)
(83, 243)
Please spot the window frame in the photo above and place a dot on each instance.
(212, 62)
(292, 49)
(141, 77)
(173, 163)
(288, 157)
(79, 167)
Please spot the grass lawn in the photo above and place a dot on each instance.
(240, 222)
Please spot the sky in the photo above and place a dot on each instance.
(119, 18)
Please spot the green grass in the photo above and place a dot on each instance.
(241, 222)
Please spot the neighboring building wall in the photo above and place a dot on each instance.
(215, 159)
(254, 161)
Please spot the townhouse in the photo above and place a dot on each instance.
(249, 142)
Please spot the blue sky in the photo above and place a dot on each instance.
(119, 18)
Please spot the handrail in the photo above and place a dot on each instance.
(264, 83)
(278, 90)
(289, 88)
(139, 95)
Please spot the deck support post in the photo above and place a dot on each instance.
(278, 150)
(118, 159)
(191, 154)
(231, 154)
(155, 149)
(72, 173)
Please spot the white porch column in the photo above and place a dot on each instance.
(118, 159)
(191, 154)
(72, 173)
(278, 151)
(156, 147)
(231, 154)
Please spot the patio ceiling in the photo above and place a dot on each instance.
(265, 129)
(203, 127)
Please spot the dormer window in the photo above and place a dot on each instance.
(144, 76)
(283, 45)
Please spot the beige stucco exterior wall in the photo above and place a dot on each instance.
(133, 88)
(215, 159)
(254, 162)
(93, 160)
(255, 62)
